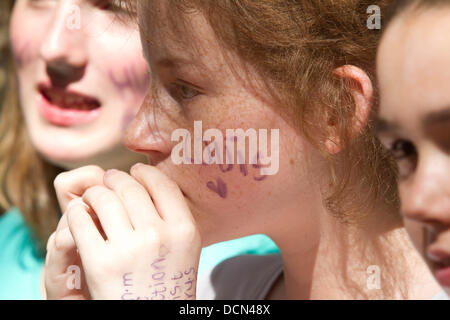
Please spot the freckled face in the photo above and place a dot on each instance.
(194, 82)
(82, 78)
(414, 75)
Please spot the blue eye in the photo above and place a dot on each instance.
(187, 92)
(183, 92)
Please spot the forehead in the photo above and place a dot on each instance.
(170, 33)
(414, 61)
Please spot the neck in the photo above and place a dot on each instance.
(373, 260)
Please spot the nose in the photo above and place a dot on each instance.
(64, 49)
(147, 134)
(426, 198)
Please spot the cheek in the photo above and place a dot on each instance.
(25, 37)
(126, 70)
(127, 118)
(231, 181)
(129, 78)
(127, 86)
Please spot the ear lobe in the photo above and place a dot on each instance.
(361, 91)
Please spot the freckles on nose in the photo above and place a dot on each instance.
(141, 136)
(134, 133)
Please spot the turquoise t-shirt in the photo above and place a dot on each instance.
(258, 244)
(21, 265)
(20, 262)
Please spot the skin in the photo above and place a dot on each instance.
(414, 123)
(314, 246)
(103, 60)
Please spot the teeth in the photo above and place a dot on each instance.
(69, 100)
(55, 97)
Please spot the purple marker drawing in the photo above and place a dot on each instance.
(220, 188)
(129, 79)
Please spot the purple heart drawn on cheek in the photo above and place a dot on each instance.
(220, 188)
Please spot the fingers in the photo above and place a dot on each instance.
(61, 247)
(69, 185)
(166, 195)
(110, 211)
(84, 232)
(137, 202)
(61, 250)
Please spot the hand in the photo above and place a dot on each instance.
(152, 244)
(63, 273)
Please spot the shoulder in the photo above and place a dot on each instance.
(245, 277)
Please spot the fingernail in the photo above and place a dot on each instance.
(110, 172)
(137, 165)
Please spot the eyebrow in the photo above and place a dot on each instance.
(179, 62)
(173, 62)
(437, 117)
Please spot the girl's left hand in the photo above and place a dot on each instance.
(150, 247)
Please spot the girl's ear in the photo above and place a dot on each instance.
(361, 91)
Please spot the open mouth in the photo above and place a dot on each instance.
(442, 272)
(66, 108)
(68, 100)
(439, 256)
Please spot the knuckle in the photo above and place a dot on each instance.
(59, 241)
(152, 238)
(60, 180)
(51, 241)
(187, 232)
(95, 192)
(93, 169)
(129, 190)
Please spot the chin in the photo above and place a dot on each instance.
(67, 158)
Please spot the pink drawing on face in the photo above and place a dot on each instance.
(22, 53)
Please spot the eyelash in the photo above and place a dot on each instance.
(176, 91)
(405, 154)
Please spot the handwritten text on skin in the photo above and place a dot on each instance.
(162, 286)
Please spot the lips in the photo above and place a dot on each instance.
(439, 254)
(442, 272)
(67, 108)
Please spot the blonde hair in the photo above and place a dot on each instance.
(26, 180)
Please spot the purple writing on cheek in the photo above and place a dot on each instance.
(220, 187)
